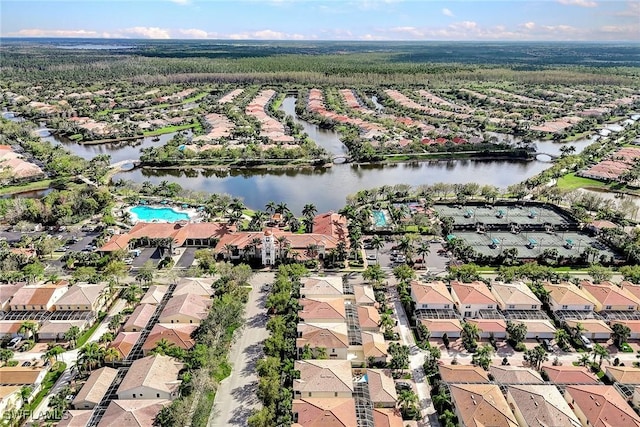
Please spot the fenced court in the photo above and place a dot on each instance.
(532, 244)
(503, 215)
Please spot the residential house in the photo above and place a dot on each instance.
(124, 343)
(368, 318)
(363, 295)
(330, 336)
(438, 327)
(197, 286)
(594, 329)
(470, 298)
(634, 289)
(323, 378)
(132, 413)
(600, 406)
(152, 377)
(321, 287)
(515, 296)
(9, 329)
(607, 296)
(538, 328)
(567, 296)
(75, 418)
(52, 330)
(10, 398)
(569, 374)
(515, 375)
(140, 317)
(7, 291)
(322, 310)
(635, 399)
(386, 417)
(22, 375)
(95, 388)
(623, 374)
(490, 327)
(382, 388)
(37, 298)
(178, 334)
(323, 411)
(540, 405)
(83, 297)
(481, 405)
(374, 348)
(468, 374)
(186, 308)
(154, 294)
(431, 296)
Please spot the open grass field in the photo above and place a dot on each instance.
(573, 182)
(31, 186)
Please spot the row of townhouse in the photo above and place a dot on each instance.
(343, 323)
(150, 384)
(519, 397)
(188, 306)
(572, 304)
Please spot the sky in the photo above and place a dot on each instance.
(470, 20)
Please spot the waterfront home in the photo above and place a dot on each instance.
(600, 406)
(540, 405)
(94, 388)
(470, 298)
(152, 377)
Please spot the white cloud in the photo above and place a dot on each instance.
(194, 33)
(581, 3)
(37, 32)
(447, 12)
(265, 35)
(529, 25)
(181, 2)
(148, 32)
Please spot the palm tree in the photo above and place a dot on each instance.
(470, 335)
(584, 360)
(423, 249)
(90, 356)
(377, 243)
(578, 330)
(112, 354)
(72, 335)
(270, 206)
(562, 338)
(601, 352)
(163, 346)
(28, 328)
(309, 210)
(281, 208)
(282, 243)
(408, 401)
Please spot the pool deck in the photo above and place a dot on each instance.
(194, 215)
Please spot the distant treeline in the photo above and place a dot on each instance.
(324, 63)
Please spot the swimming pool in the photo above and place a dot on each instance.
(379, 219)
(149, 214)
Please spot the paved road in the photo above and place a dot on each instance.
(236, 396)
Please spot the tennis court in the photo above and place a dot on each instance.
(503, 215)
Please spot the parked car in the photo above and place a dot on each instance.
(546, 343)
(14, 342)
(403, 386)
(586, 342)
(371, 257)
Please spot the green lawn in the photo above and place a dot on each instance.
(195, 98)
(49, 381)
(572, 182)
(31, 186)
(170, 129)
(87, 334)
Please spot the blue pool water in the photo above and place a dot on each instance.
(149, 214)
(379, 219)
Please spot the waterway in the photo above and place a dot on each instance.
(326, 188)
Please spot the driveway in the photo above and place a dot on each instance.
(236, 397)
(146, 254)
(187, 258)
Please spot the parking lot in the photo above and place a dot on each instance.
(146, 254)
(186, 260)
(435, 261)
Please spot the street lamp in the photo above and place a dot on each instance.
(579, 244)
